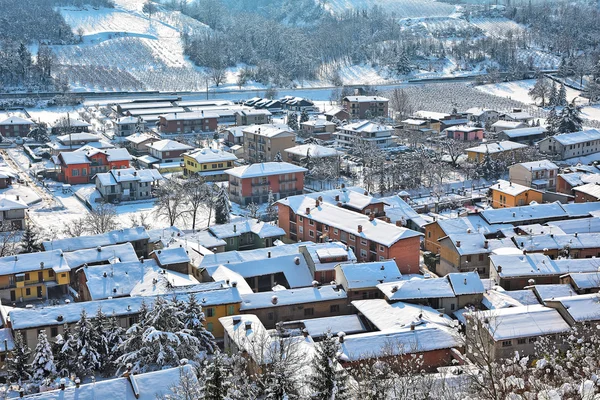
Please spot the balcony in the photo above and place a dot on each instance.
(288, 180)
(234, 183)
(264, 183)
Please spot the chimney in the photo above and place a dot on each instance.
(339, 204)
(268, 254)
(274, 299)
(360, 229)
(412, 326)
(575, 234)
(77, 382)
(315, 284)
(234, 228)
(486, 244)
(234, 283)
(371, 217)
(63, 383)
(499, 268)
(297, 260)
(248, 325)
(382, 267)
(17, 197)
(317, 203)
(341, 336)
(469, 230)
(337, 197)
(394, 289)
(98, 248)
(307, 210)
(304, 333)
(458, 243)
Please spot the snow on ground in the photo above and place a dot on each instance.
(498, 27)
(402, 8)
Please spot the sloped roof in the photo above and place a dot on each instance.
(264, 169)
(168, 145)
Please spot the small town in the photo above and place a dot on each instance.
(190, 210)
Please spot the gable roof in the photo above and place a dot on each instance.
(370, 274)
(270, 130)
(510, 188)
(411, 289)
(87, 242)
(576, 137)
(264, 169)
(168, 145)
(16, 121)
(210, 155)
(499, 147)
(305, 295)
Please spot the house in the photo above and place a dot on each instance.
(360, 280)
(352, 198)
(72, 125)
(138, 143)
(262, 143)
(502, 125)
(365, 107)
(208, 163)
(535, 174)
(188, 122)
(464, 133)
(554, 245)
(399, 212)
(168, 151)
(100, 255)
(510, 330)
(436, 293)
(517, 115)
(126, 126)
(571, 145)
(298, 154)
(137, 237)
(318, 328)
(253, 183)
(586, 193)
(337, 113)
(293, 304)
(76, 141)
(128, 184)
(364, 132)
(12, 212)
(582, 282)
(419, 125)
(482, 115)
(468, 288)
(566, 183)
(13, 127)
(495, 150)
(173, 258)
(323, 258)
(297, 104)
(81, 166)
(507, 194)
(461, 252)
(318, 128)
(234, 135)
(304, 218)
(577, 310)
(247, 234)
(252, 117)
(523, 135)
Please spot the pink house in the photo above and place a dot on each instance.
(463, 132)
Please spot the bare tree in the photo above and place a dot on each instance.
(9, 239)
(140, 219)
(170, 200)
(101, 219)
(400, 103)
(196, 194)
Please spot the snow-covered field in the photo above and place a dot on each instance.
(402, 8)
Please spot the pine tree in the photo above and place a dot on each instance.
(562, 95)
(553, 98)
(114, 338)
(329, 380)
(139, 126)
(569, 119)
(30, 242)
(64, 352)
(194, 321)
(307, 161)
(552, 123)
(403, 66)
(216, 378)
(87, 341)
(43, 360)
(222, 207)
(278, 157)
(241, 386)
(292, 121)
(303, 116)
(99, 324)
(271, 210)
(253, 210)
(17, 366)
(382, 187)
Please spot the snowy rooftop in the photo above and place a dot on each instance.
(540, 265)
(463, 128)
(512, 189)
(431, 114)
(559, 241)
(264, 169)
(518, 115)
(139, 138)
(476, 243)
(104, 239)
(589, 189)
(519, 215)
(370, 274)
(191, 115)
(127, 120)
(586, 280)
(367, 126)
(522, 132)
(314, 150)
(318, 123)
(507, 124)
(270, 130)
(541, 165)
(499, 147)
(8, 204)
(497, 299)
(21, 263)
(171, 255)
(168, 145)
(107, 254)
(203, 238)
(206, 155)
(78, 138)
(465, 283)
(116, 176)
(349, 324)
(581, 308)
(231, 278)
(325, 256)
(353, 197)
(7, 342)
(577, 137)
(365, 99)
(523, 321)
(254, 111)
(287, 297)
(349, 221)
(246, 225)
(414, 121)
(431, 288)
(472, 222)
(576, 210)
(545, 292)
(16, 121)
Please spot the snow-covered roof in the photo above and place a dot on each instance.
(318, 123)
(552, 291)
(524, 296)
(581, 308)
(512, 189)
(493, 148)
(20, 263)
(508, 124)
(370, 274)
(334, 110)
(559, 241)
(78, 137)
(465, 283)
(367, 127)
(7, 342)
(577, 210)
(74, 123)
(171, 255)
(103, 254)
(8, 204)
(116, 154)
(410, 289)
(254, 111)
(74, 157)
(414, 121)
(541, 165)
(314, 150)
(190, 115)
(535, 264)
(264, 169)
(240, 226)
(148, 386)
(523, 321)
(475, 243)
(431, 114)
(140, 138)
(168, 145)
(522, 132)
(532, 212)
(473, 223)
(206, 155)
(519, 115)
(87, 242)
(325, 256)
(232, 278)
(127, 120)
(16, 121)
(577, 137)
(589, 189)
(477, 111)
(349, 221)
(270, 130)
(585, 280)
(365, 99)
(497, 299)
(287, 297)
(390, 317)
(116, 176)
(318, 327)
(463, 128)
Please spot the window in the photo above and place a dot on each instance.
(210, 312)
(363, 253)
(532, 340)
(309, 312)
(27, 292)
(521, 341)
(26, 276)
(300, 219)
(363, 242)
(311, 234)
(300, 229)
(335, 231)
(53, 331)
(75, 172)
(311, 222)
(468, 258)
(381, 248)
(134, 319)
(270, 316)
(51, 273)
(334, 308)
(209, 327)
(230, 310)
(84, 171)
(352, 237)
(481, 257)
(452, 306)
(506, 343)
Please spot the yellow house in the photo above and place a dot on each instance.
(208, 163)
(495, 150)
(33, 276)
(508, 194)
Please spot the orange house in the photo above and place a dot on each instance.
(508, 194)
(78, 167)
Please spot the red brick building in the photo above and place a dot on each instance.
(187, 122)
(15, 127)
(357, 106)
(307, 219)
(80, 166)
(251, 183)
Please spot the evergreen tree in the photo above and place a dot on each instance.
(552, 122)
(553, 97)
(271, 211)
(17, 366)
(139, 126)
(43, 360)
(382, 186)
(562, 95)
(541, 90)
(403, 66)
(30, 242)
(64, 352)
(292, 121)
(222, 207)
(569, 119)
(114, 338)
(216, 378)
(241, 386)
(99, 324)
(307, 161)
(87, 341)
(329, 380)
(489, 168)
(303, 116)
(194, 321)
(253, 210)
(278, 157)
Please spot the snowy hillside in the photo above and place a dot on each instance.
(402, 8)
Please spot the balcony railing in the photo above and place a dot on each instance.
(264, 183)
(288, 180)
